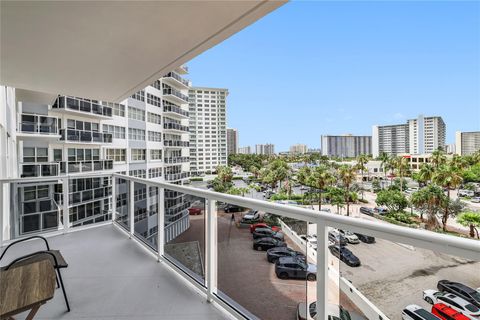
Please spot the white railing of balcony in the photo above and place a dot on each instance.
(461, 247)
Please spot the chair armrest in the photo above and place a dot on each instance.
(24, 239)
(31, 255)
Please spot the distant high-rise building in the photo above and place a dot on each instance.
(467, 142)
(208, 128)
(422, 135)
(245, 150)
(298, 149)
(347, 146)
(450, 148)
(232, 141)
(267, 149)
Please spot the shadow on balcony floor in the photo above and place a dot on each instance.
(111, 277)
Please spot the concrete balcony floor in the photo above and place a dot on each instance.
(112, 277)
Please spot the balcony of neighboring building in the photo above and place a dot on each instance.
(175, 127)
(175, 80)
(69, 167)
(84, 136)
(34, 126)
(174, 111)
(45, 169)
(176, 144)
(176, 160)
(173, 95)
(177, 176)
(82, 107)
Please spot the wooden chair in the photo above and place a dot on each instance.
(55, 257)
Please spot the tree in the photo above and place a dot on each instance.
(385, 163)
(279, 171)
(438, 158)
(448, 177)
(426, 173)
(429, 200)
(336, 197)
(347, 175)
(394, 200)
(320, 177)
(402, 166)
(470, 219)
(255, 171)
(362, 160)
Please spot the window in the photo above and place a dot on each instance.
(140, 95)
(139, 173)
(116, 131)
(154, 118)
(154, 173)
(154, 136)
(79, 154)
(136, 134)
(155, 154)
(117, 155)
(138, 155)
(32, 154)
(118, 109)
(136, 114)
(154, 100)
(57, 155)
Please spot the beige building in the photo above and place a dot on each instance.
(232, 141)
(467, 142)
(298, 149)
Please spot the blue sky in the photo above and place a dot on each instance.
(313, 68)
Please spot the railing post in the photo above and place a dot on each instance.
(211, 247)
(131, 206)
(114, 198)
(65, 205)
(2, 212)
(161, 222)
(322, 270)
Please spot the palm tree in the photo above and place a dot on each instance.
(347, 175)
(438, 158)
(384, 158)
(448, 177)
(426, 173)
(429, 200)
(255, 171)
(402, 166)
(362, 160)
(472, 220)
(320, 178)
(280, 171)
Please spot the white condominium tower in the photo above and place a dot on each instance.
(267, 149)
(208, 127)
(298, 149)
(232, 141)
(144, 136)
(348, 146)
(422, 135)
(245, 150)
(467, 143)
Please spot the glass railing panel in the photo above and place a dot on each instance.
(185, 233)
(122, 202)
(263, 272)
(145, 214)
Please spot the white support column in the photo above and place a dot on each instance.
(211, 248)
(131, 206)
(161, 222)
(322, 270)
(2, 212)
(65, 203)
(114, 198)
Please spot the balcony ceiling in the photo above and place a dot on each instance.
(108, 50)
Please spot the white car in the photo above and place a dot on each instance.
(465, 193)
(414, 312)
(452, 301)
(475, 200)
(350, 236)
(252, 215)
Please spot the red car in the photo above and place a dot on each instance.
(194, 211)
(447, 313)
(263, 225)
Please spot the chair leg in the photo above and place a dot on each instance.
(56, 278)
(63, 289)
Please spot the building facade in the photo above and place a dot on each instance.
(266, 149)
(346, 146)
(390, 139)
(208, 126)
(245, 150)
(467, 143)
(232, 141)
(298, 149)
(145, 136)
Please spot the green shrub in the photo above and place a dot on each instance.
(237, 178)
(196, 179)
(363, 200)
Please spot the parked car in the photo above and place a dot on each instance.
(334, 312)
(446, 313)
(475, 200)
(414, 312)
(267, 243)
(465, 193)
(452, 301)
(365, 238)
(312, 240)
(350, 236)
(263, 225)
(381, 211)
(251, 215)
(367, 211)
(337, 238)
(461, 290)
(232, 208)
(265, 232)
(194, 211)
(304, 188)
(291, 267)
(275, 253)
(345, 255)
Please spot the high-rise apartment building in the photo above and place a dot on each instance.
(245, 150)
(232, 141)
(266, 149)
(145, 136)
(298, 149)
(345, 146)
(422, 135)
(208, 126)
(467, 142)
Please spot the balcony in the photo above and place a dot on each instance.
(176, 176)
(176, 143)
(176, 160)
(174, 111)
(182, 69)
(80, 136)
(48, 169)
(69, 167)
(38, 126)
(174, 95)
(173, 79)
(175, 127)
(207, 257)
(82, 107)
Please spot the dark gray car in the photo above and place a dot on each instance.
(292, 267)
